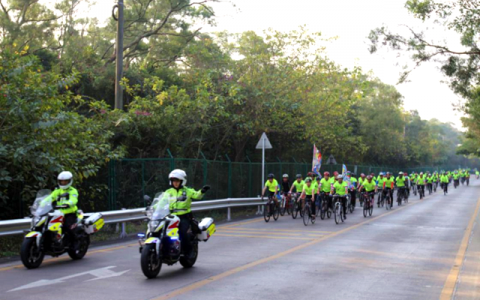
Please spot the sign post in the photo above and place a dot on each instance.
(263, 144)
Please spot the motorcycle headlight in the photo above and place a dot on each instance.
(152, 225)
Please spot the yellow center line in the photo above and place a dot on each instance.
(225, 274)
(451, 282)
(56, 259)
(266, 236)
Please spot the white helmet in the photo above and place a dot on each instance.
(178, 174)
(65, 175)
(339, 177)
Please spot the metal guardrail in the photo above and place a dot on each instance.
(19, 226)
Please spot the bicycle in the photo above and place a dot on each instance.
(414, 189)
(468, 180)
(350, 207)
(271, 209)
(307, 212)
(285, 205)
(367, 204)
(380, 200)
(421, 191)
(429, 188)
(455, 183)
(296, 206)
(338, 210)
(445, 186)
(388, 200)
(400, 195)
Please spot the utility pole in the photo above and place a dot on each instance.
(119, 54)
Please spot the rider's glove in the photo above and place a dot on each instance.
(205, 189)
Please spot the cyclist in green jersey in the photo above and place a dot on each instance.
(444, 182)
(341, 189)
(401, 183)
(326, 184)
(421, 180)
(429, 182)
(308, 194)
(272, 186)
(370, 188)
(388, 185)
(298, 186)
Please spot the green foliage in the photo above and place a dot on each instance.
(42, 130)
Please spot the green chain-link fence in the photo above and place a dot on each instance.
(130, 179)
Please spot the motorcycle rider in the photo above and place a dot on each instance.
(67, 195)
(182, 206)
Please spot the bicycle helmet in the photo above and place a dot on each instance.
(335, 173)
(299, 176)
(271, 176)
(369, 177)
(339, 177)
(308, 179)
(285, 175)
(362, 175)
(325, 174)
(400, 173)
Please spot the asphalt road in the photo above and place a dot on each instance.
(427, 249)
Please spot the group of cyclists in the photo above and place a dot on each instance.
(337, 195)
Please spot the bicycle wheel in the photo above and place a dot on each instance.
(306, 214)
(283, 206)
(276, 211)
(370, 211)
(365, 209)
(387, 203)
(337, 213)
(295, 210)
(323, 209)
(301, 209)
(266, 212)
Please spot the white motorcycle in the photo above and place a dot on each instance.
(161, 244)
(47, 237)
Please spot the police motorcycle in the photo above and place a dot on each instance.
(47, 237)
(161, 243)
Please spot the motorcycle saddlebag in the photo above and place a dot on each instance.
(207, 229)
(94, 223)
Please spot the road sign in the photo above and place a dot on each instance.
(97, 274)
(261, 145)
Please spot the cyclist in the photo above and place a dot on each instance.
(360, 180)
(272, 185)
(388, 184)
(429, 182)
(421, 179)
(407, 184)
(370, 188)
(467, 176)
(341, 189)
(477, 174)
(462, 176)
(285, 185)
(325, 188)
(400, 182)
(309, 190)
(379, 183)
(353, 188)
(444, 182)
(456, 179)
(298, 186)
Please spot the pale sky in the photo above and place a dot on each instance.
(350, 21)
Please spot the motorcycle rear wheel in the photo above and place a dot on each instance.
(84, 242)
(189, 261)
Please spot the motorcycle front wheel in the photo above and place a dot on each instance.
(151, 264)
(32, 257)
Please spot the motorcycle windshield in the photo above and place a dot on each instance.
(42, 204)
(160, 207)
